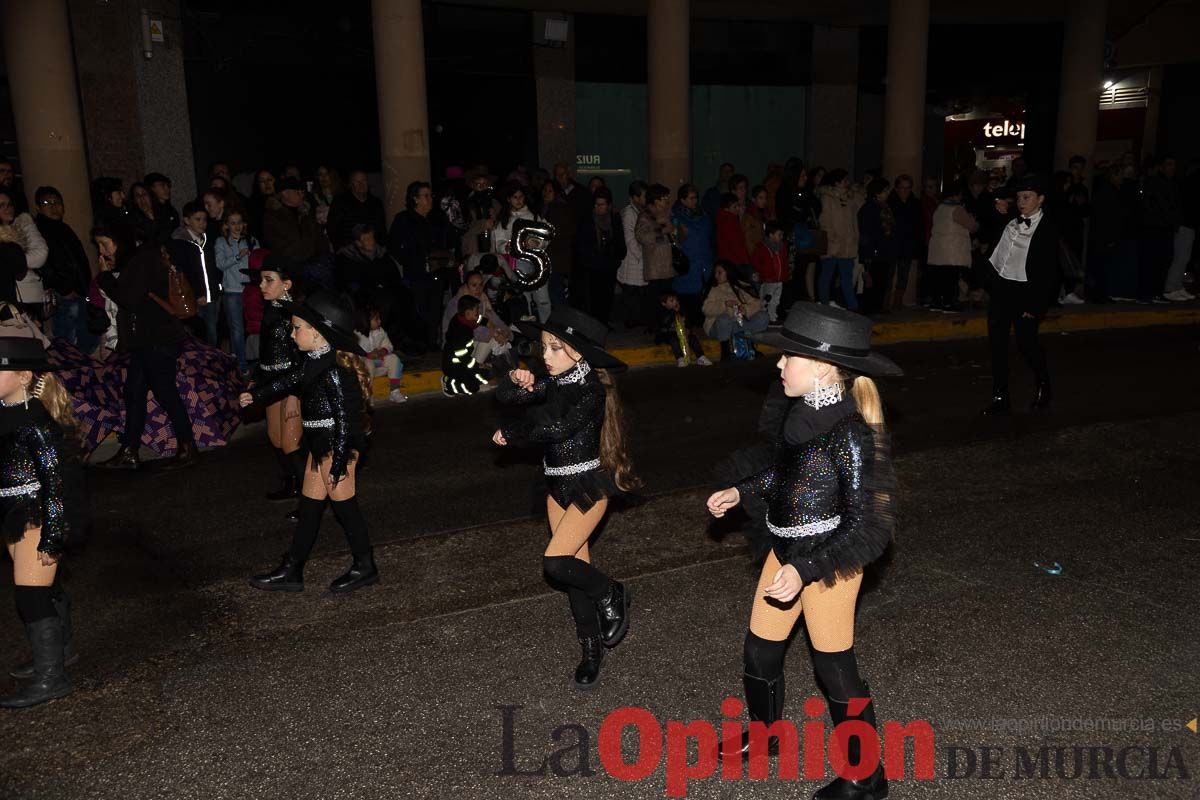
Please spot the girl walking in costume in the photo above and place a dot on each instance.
(332, 384)
(278, 355)
(40, 511)
(577, 416)
(828, 495)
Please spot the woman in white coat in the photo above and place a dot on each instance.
(30, 294)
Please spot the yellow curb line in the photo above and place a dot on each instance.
(428, 381)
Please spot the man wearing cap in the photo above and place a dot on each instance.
(289, 227)
(1026, 272)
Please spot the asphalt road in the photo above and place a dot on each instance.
(194, 685)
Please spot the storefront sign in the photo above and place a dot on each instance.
(1004, 129)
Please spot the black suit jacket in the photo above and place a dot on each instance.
(1041, 270)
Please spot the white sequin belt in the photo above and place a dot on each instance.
(572, 469)
(20, 491)
(274, 367)
(808, 529)
(318, 423)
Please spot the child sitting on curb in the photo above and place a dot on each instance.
(673, 330)
(381, 358)
(460, 372)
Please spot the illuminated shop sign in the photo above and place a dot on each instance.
(1004, 129)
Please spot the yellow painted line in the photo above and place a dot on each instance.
(937, 329)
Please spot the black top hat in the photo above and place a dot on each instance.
(21, 352)
(1029, 183)
(584, 333)
(830, 334)
(288, 270)
(332, 316)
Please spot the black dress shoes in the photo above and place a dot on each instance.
(126, 458)
(287, 577)
(1041, 400)
(185, 456)
(587, 674)
(614, 614)
(361, 573)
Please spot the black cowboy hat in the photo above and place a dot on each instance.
(830, 334)
(584, 333)
(20, 353)
(332, 316)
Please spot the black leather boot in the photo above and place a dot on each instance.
(614, 614)
(50, 679)
(764, 703)
(185, 456)
(287, 577)
(291, 481)
(126, 458)
(587, 674)
(873, 787)
(62, 605)
(1041, 400)
(1000, 405)
(361, 573)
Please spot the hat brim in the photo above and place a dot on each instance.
(596, 356)
(338, 339)
(873, 364)
(20, 365)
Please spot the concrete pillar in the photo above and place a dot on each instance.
(904, 107)
(45, 102)
(166, 123)
(668, 91)
(400, 83)
(833, 101)
(554, 75)
(1081, 80)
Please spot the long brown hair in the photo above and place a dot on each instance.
(614, 444)
(56, 400)
(358, 369)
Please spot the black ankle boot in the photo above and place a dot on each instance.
(287, 577)
(361, 573)
(614, 614)
(62, 605)
(289, 491)
(587, 674)
(126, 458)
(1041, 400)
(1000, 405)
(764, 703)
(873, 787)
(50, 679)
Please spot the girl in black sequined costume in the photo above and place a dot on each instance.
(332, 385)
(278, 354)
(575, 414)
(828, 490)
(41, 502)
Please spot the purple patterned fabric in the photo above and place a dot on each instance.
(208, 381)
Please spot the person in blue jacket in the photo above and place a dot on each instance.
(696, 242)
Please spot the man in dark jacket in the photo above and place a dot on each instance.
(354, 207)
(420, 239)
(599, 250)
(166, 216)
(193, 253)
(907, 234)
(67, 273)
(1161, 214)
(290, 228)
(1025, 264)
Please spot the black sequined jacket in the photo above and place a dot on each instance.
(277, 353)
(566, 416)
(829, 493)
(33, 492)
(331, 407)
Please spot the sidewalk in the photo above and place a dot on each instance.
(910, 325)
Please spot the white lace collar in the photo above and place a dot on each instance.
(575, 374)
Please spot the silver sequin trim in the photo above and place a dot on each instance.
(320, 351)
(273, 367)
(19, 491)
(317, 423)
(572, 469)
(810, 529)
(575, 374)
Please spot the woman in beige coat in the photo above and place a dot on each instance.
(839, 220)
(731, 307)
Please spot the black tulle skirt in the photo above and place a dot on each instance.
(583, 490)
(21, 514)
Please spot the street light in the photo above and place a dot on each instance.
(1108, 84)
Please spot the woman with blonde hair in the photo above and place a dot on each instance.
(41, 503)
(575, 414)
(829, 495)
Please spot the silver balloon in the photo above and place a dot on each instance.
(528, 246)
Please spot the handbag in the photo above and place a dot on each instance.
(740, 348)
(181, 300)
(679, 259)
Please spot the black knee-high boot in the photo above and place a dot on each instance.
(587, 628)
(764, 684)
(289, 575)
(290, 480)
(62, 606)
(363, 571)
(44, 630)
(610, 596)
(297, 461)
(838, 675)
